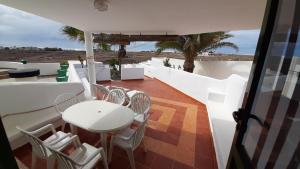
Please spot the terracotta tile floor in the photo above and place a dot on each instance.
(178, 135)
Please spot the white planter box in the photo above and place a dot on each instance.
(129, 72)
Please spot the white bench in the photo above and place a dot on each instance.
(220, 105)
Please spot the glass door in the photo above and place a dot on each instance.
(268, 125)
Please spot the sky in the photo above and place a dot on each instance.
(18, 28)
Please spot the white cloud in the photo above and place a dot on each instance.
(23, 29)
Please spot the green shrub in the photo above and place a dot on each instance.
(167, 62)
(113, 64)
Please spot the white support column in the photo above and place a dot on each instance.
(90, 59)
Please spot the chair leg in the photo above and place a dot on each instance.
(51, 162)
(33, 161)
(144, 146)
(131, 158)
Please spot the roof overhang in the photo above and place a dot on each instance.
(149, 16)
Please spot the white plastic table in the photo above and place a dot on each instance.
(99, 117)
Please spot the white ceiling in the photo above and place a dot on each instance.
(150, 16)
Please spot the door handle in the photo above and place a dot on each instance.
(240, 115)
(252, 116)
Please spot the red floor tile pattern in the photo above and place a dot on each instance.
(174, 129)
(203, 149)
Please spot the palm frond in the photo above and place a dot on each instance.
(221, 45)
(164, 45)
(104, 47)
(226, 36)
(188, 43)
(73, 33)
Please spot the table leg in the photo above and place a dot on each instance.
(73, 129)
(104, 142)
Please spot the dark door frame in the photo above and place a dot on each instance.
(238, 151)
(7, 160)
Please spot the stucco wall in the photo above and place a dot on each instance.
(214, 69)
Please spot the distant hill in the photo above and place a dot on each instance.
(132, 57)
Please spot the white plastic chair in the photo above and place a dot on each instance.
(140, 103)
(117, 96)
(125, 90)
(118, 87)
(84, 156)
(58, 140)
(64, 101)
(131, 93)
(129, 139)
(102, 90)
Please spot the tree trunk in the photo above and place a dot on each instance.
(188, 65)
(121, 54)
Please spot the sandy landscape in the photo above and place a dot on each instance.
(132, 57)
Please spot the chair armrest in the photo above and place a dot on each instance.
(131, 93)
(147, 116)
(122, 88)
(127, 137)
(60, 139)
(76, 141)
(91, 157)
(48, 127)
(73, 140)
(147, 111)
(129, 104)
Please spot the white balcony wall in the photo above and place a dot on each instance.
(132, 71)
(30, 105)
(221, 98)
(45, 68)
(191, 84)
(78, 74)
(10, 65)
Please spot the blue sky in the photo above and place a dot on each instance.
(19, 28)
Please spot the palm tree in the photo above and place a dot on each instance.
(191, 45)
(76, 34)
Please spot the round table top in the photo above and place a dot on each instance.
(20, 73)
(99, 116)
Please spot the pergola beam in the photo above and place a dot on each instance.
(126, 39)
